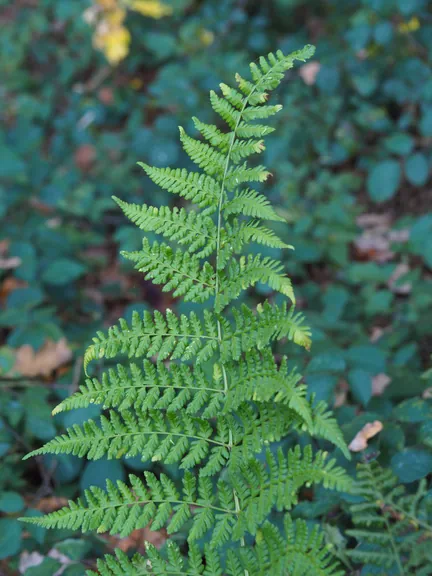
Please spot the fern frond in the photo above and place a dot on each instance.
(325, 426)
(241, 174)
(247, 272)
(195, 232)
(206, 157)
(167, 336)
(259, 379)
(121, 509)
(392, 526)
(255, 232)
(258, 330)
(251, 203)
(298, 550)
(225, 110)
(180, 387)
(210, 395)
(178, 271)
(262, 488)
(213, 135)
(196, 187)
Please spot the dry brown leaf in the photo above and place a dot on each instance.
(136, 540)
(309, 71)
(85, 156)
(379, 384)
(50, 504)
(106, 95)
(341, 394)
(9, 285)
(360, 440)
(43, 362)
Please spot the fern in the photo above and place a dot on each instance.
(393, 527)
(204, 391)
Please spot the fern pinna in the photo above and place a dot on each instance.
(205, 392)
(393, 527)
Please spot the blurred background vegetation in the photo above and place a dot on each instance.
(88, 88)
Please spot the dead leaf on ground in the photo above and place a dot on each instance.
(396, 287)
(10, 263)
(374, 243)
(29, 560)
(309, 71)
(43, 362)
(341, 394)
(376, 333)
(106, 95)
(50, 504)
(84, 156)
(360, 440)
(136, 540)
(370, 220)
(7, 263)
(9, 285)
(379, 384)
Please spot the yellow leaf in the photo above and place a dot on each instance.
(151, 8)
(206, 37)
(107, 4)
(410, 26)
(116, 44)
(115, 18)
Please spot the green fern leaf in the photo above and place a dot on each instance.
(189, 229)
(178, 271)
(210, 394)
(251, 203)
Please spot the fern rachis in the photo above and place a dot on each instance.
(205, 391)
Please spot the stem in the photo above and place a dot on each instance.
(218, 242)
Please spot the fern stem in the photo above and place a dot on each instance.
(218, 241)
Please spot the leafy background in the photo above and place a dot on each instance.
(89, 88)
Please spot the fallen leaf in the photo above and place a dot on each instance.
(4, 246)
(376, 333)
(9, 285)
(396, 287)
(360, 440)
(309, 71)
(29, 560)
(43, 362)
(136, 540)
(10, 263)
(51, 504)
(379, 384)
(400, 236)
(106, 95)
(373, 221)
(84, 156)
(341, 394)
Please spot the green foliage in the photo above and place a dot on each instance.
(71, 131)
(227, 495)
(392, 526)
(297, 550)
